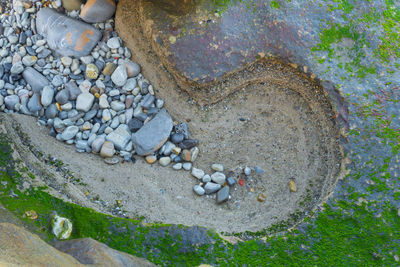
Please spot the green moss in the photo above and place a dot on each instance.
(275, 5)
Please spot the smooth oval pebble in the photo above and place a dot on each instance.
(164, 161)
(217, 167)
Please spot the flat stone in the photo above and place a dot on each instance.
(198, 173)
(188, 143)
(211, 188)
(117, 105)
(120, 137)
(134, 126)
(11, 101)
(223, 195)
(132, 68)
(92, 72)
(73, 90)
(164, 161)
(95, 11)
(218, 177)
(69, 133)
(217, 167)
(67, 36)
(111, 161)
(84, 102)
(107, 149)
(198, 190)
(36, 80)
(119, 76)
(62, 97)
(34, 103)
(153, 134)
(47, 96)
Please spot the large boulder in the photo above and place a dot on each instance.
(67, 36)
(89, 251)
(153, 134)
(19, 247)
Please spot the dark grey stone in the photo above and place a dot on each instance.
(176, 138)
(183, 129)
(223, 195)
(51, 111)
(62, 97)
(34, 103)
(153, 134)
(134, 125)
(73, 90)
(36, 80)
(188, 143)
(211, 188)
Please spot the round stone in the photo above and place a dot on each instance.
(151, 159)
(217, 167)
(247, 171)
(176, 138)
(206, 178)
(69, 133)
(218, 177)
(95, 11)
(62, 97)
(164, 161)
(11, 101)
(187, 166)
(29, 61)
(107, 149)
(132, 68)
(47, 96)
(177, 166)
(114, 43)
(92, 72)
(66, 61)
(84, 102)
(198, 173)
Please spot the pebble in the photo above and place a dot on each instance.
(187, 166)
(177, 166)
(111, 161)
(206, 178)
(97, 144)
(47, 96)
(113, 43)
(292, 186)
(188, 143)
(164, 161)
(34, 103)
(151, 159)
(223, 195)
(198, 173)
(62, 97)
(17, 68)
(134, 125)
(211, 188)
(176, 150)
(109, 69)
(11, 101)
(92, 72)
(258, 170)
(194, 153)
(107, 149)
(199, 190)
(84, 102)
(231, 181)
(247, 171)
(186, 155)
(120, 136)
(176, 138)
(69, 133)
(132, 69)
(73, 90)
(71, 5)
(261, 197)
(217, 167)
(119, 76)
(29, 61)
(66, 61)
(218, 177)
(95, 11)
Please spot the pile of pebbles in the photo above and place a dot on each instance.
(63, 62)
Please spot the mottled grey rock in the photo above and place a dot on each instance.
(119, 76)
(211, 188)
(69, 133)
(57, 81)
(67, 36)
(97, 144)
(36, 80)
(62, 97)
(218, 177)
(17, 68)
(47, 96)
(223, 195)
(84, 102)
(34, 103)
(147, 101)
(153, 134)
(120, 137)
(11, 101)
(73, 90)
(198, 190)
(217, 167)
(95, 11)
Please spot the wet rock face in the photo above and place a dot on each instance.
(68, 37)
